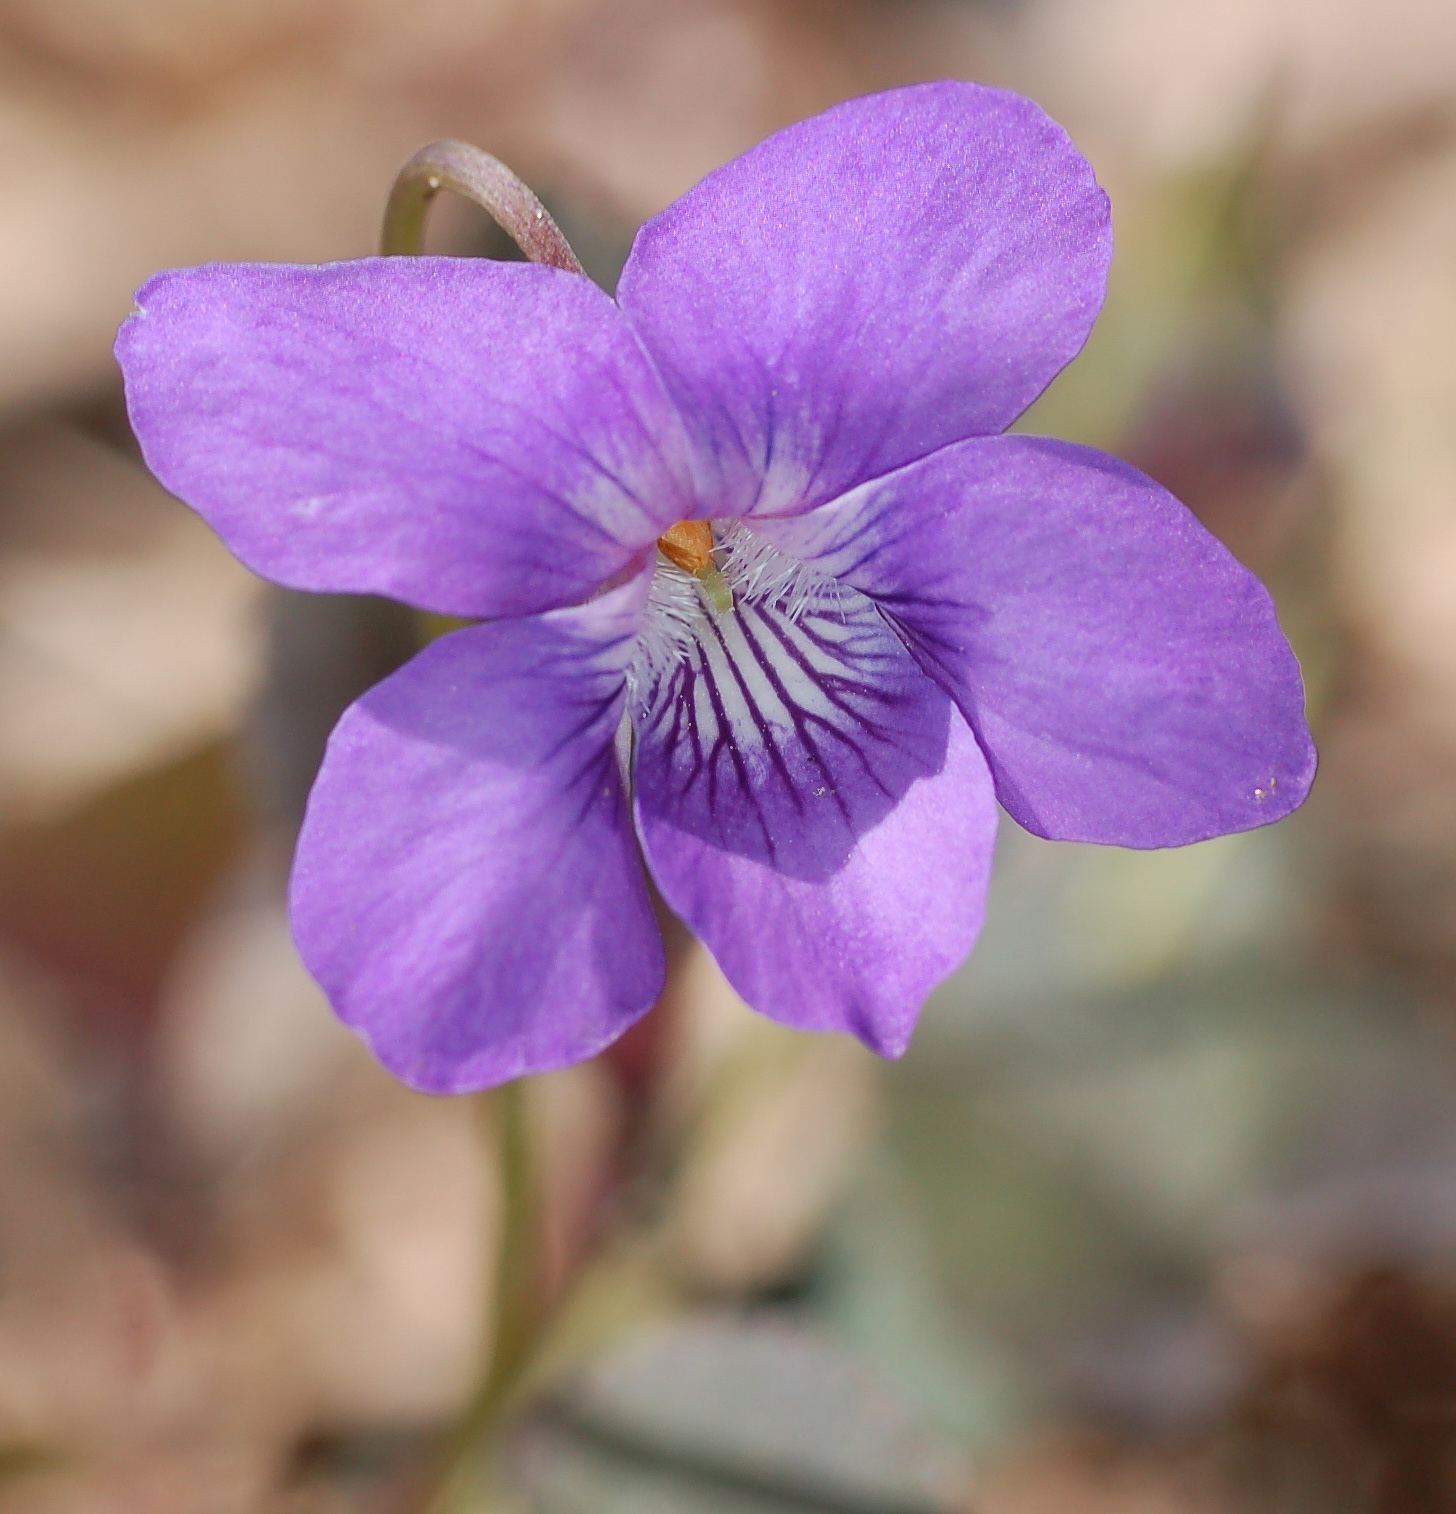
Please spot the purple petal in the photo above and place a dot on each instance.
(466, 888)
(901, 272)
(1126, 676)
(476, 438)
(817, 812)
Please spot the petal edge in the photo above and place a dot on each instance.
(1127, 677)
(473, 438)
(466, 887)
(903, 271)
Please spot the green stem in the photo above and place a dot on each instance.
(513, 1311)
(467, 171)
(520, 1319)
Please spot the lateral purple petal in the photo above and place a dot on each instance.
(466, 886)
(901, 272)
(1126, 676)
(476, 438)
(818, 813)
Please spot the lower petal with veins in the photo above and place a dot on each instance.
(816, 810)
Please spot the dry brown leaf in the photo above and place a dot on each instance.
(127, 632)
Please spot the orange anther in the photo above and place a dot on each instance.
(689, 544)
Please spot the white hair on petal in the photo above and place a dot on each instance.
(756, 572)
(761, 573)
(674, 606)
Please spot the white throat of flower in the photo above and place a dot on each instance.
(680, 603)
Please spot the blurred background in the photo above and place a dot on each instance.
(1158, 1216)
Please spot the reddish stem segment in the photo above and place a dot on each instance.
(482, 179)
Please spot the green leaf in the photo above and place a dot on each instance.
(732, 1415)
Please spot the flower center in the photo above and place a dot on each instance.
(689, 546)
(767, 595)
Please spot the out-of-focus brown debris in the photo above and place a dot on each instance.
(1081, 1472)
(1355, 1407)
(198, 1325)
(1180, 83)
(766, 1125)
(1369, 326)
(127, 633)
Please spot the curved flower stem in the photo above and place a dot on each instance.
(467, 171)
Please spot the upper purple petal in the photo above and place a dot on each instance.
(815, 809)
(466, 887)
(476, 438)
(901, 272)
(1126, 676)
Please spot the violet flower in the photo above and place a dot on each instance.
(897, 617)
